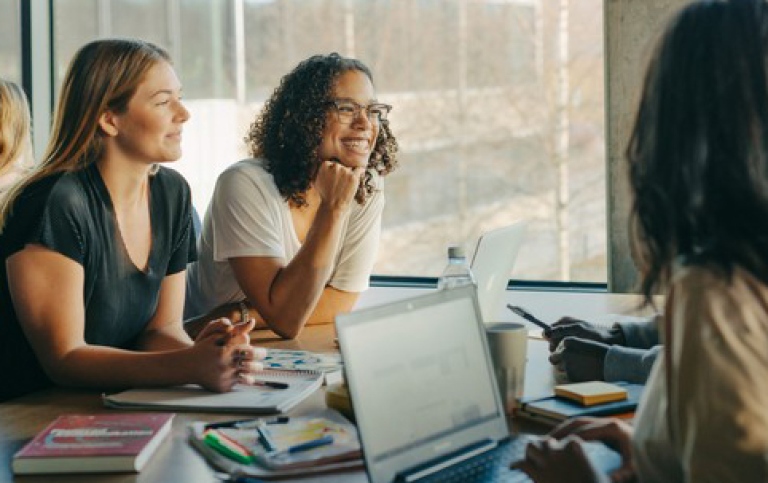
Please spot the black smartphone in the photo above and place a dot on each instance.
(529, 317)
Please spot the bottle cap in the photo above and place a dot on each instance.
(456, 251)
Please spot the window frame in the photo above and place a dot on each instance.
(630, 27)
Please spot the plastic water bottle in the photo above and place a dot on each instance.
(457, 273)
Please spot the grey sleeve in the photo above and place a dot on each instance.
(629, 364)
(640, 333)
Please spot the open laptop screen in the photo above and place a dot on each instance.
(419, 375)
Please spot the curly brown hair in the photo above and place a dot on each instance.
(289, 129)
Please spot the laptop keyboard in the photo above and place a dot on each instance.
(493, 466)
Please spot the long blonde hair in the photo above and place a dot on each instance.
(103, 76)
(14, 124)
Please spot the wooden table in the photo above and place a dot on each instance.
(176, 461)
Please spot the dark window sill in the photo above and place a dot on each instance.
(528, 285)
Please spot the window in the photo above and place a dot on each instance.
(10, 40)
(498, 107)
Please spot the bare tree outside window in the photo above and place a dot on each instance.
(498, 105)
(10, 40)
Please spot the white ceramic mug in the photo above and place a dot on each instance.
(508, 344)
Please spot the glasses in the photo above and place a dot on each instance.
(347, 111)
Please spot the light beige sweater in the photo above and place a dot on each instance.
(710, 422)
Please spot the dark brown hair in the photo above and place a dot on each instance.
(698, 155)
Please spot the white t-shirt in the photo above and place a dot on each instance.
(248, 217)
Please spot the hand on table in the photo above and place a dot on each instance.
(224, 357)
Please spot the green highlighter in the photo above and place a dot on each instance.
(227, 447)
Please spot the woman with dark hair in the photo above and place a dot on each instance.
(699, 173)
(94, 241)
(292, 233)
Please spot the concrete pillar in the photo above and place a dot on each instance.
(631, 30)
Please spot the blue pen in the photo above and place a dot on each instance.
(264, 437)
(314, 443)
(245, 479)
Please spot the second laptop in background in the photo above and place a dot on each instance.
(495, 255)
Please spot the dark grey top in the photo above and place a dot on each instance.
(633, 362)
(72, 214)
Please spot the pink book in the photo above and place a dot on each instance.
(82, 443)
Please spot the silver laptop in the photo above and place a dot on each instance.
(425, 399)
(492, 263)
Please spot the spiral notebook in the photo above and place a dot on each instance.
(242, 399)
(297, 360)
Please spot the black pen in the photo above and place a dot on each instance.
(229, 424)
(272, 384)
(246, 423)
(530, 318)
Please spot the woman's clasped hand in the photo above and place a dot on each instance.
(226, 355)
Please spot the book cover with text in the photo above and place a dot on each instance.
(81, 443)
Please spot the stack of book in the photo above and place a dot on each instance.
(583, 399)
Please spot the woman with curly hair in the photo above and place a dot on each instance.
(292, 232)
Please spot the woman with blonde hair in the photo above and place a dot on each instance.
(95, 241)
(14, 134)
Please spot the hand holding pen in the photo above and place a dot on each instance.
(530, 318)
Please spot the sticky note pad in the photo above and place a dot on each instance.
(592, 392)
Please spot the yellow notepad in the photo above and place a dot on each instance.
(592, 392)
